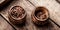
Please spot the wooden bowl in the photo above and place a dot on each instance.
(17, 15)
(40, 15)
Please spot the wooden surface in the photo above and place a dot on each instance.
(29, 8)
(4, 25)
(1, 1)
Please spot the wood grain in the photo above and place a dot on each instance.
(4, 25)
(29, 8)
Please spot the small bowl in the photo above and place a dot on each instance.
(40, 15)
(17, 15)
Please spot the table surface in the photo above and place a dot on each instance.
(4, 25)
(51, 5)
